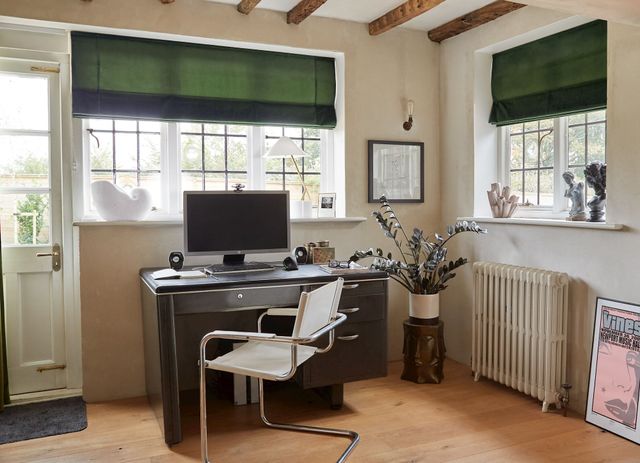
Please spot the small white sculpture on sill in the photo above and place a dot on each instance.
(114, 203)
(503, 203)
(575, 193)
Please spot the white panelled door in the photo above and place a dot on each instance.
(31, 221)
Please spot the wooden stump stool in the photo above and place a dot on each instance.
(423, 352)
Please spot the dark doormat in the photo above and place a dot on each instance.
(29, 421)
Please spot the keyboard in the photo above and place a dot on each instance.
(238, 268)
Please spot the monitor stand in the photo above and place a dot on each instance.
(234, 263)
(233, 259)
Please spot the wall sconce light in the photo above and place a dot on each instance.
(409, 122)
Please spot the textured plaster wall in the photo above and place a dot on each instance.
(380, 74)
(600, 263)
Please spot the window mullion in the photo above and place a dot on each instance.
(327, 169)
(255, 165)
(170, 168)
(85, 168)
(560, 162)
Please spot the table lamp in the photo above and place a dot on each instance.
(284, 148)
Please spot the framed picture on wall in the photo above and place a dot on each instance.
(396, 170)
(614, 378)
(327, 205)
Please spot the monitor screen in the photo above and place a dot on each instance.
(230, 222)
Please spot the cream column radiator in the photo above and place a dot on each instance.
(519, 335)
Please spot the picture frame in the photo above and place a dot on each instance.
(326, 205)
(614, 375)
(396, 170)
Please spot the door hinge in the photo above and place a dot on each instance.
(51, 367)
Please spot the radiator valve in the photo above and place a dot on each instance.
(563, 397)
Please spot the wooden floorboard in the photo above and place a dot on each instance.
(399, 422)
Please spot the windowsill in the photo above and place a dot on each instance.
(160, 222)
(547, 223)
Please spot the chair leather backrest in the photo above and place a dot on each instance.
(317, 309)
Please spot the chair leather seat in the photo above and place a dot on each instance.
(266, 360)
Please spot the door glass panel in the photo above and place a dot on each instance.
(25, 102)
(24, 161)
(25, 218)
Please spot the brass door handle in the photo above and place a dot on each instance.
(55, 254)
(51, 367)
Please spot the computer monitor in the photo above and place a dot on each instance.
(235, 223)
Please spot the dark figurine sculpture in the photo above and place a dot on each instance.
(596, 177)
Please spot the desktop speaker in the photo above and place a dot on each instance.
(176, 259)
(301, 254)
(289, 263)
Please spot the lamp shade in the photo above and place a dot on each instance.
(284, 148)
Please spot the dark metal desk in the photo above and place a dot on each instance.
(177, 313)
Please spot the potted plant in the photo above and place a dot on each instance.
(421, 266)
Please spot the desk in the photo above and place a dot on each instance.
(177, 313)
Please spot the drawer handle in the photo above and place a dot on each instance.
(354, 286)
(353, 337)
(349, 310)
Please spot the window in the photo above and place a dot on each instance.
(535, 154)
(282, 174)
(169, 158)
(587, 142)
(25, 172)
(126, 153)
(213, 156)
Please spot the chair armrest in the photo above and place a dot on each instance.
(241, 335)
(283, 312)
(277, 312)
(340, 318)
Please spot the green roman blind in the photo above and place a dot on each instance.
(562, 74)
(128, 77)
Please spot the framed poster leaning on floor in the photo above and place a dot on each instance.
(614, 378)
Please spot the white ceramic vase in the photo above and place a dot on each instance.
(301, 209)
(114, 203)
(424, 306)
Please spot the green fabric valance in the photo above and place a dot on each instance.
(128, 77)
(561, 74)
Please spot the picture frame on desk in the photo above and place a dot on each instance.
(396, 171)
(614, 377)
(326, 205)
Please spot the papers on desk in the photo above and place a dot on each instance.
(353, 268)
(168, 273)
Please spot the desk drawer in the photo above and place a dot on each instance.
(363, 308)
(356, 288)
(236, 299)
(359, 352)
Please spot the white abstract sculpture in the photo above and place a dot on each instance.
(114, 203)
(503, 203)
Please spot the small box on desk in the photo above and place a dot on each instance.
(322, 255)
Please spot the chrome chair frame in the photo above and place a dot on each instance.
(270, 337)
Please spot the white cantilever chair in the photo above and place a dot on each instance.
(276, 358)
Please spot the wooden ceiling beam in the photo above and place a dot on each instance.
(474, 19)
(401, 14)
(303, 10)
(245, 6)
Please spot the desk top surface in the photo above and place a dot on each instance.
(304, 274)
